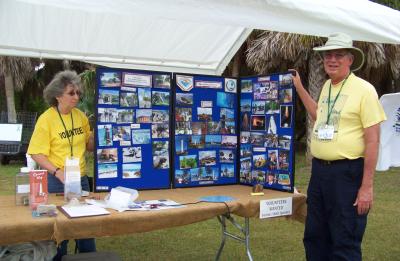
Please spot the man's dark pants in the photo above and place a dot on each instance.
(333, 229)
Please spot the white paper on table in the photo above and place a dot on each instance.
(84, 211)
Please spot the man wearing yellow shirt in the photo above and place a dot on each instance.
(344, 145)
(62, 131)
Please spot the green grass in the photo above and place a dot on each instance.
(275, 239)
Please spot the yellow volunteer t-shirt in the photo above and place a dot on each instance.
(49, 137)
(356, 108)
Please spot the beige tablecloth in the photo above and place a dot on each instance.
(17, 225)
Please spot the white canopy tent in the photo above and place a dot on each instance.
(192, 36)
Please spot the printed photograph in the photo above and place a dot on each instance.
(257, 138)
(271, 140)
(188, 162)
(194, 174)
(183, 114)
(107, 155)
(159, 116)
(107, 171)
(160, 148)
(143, 115)
(245, 105)
(196, 141)
(213, 141)
(213, 127)
(257, 123)
(162, 81)
(204, 114)
(283, 160)
(284, 141)
(245, 163)
(128, 99)
(258, 107)
(227, 114)
(226, 156)
(228, 141)
(159, 98)
(125, 116)
(244, 137)
(257, 176)
(230, 85)
(208, 173)
(107, 115)
(141, 136)
(272, 91)
(286, 116)
(285, 96)
(246, 86)
(271, 125)
(131, 171)
(227, 171)
(246, 150)
(182, 176)
(161, 162)
(259, 161)
(144, 96)
(271, 107)
(131, 154)
(245, 176)
(285, 80)
(199, 128)
(245, 121)
(225, 100)
(272, 160)
(183, 128)
(181, 145)
(121, 133)
(110, 79)
(104, 135)
(284, 179)
(160, 130)
(207, 158)
(229, 128)
(184, 99)
(260, 91)
(109, 97)
(271, 178)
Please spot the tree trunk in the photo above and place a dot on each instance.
(9, 87)
(316, 79)
(237, 61)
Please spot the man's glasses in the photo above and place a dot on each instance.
(336, 55)
(72, 93)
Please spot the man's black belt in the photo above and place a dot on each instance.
(332, 162)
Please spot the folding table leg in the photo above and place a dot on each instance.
(243, 237)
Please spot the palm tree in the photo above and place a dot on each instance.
(15, 70)
(274, 51)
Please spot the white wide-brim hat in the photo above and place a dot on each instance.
(343, 41)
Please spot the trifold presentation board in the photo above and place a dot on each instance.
(159, 130)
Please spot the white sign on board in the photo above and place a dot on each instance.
(275, 207)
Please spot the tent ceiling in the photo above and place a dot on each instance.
(174, 35)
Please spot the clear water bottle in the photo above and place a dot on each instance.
(22, 187)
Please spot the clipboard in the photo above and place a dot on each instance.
(83, 211)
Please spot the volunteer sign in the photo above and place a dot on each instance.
(276, 207)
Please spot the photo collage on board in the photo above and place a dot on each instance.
(205, 131)
(133, 118)
(267, 131)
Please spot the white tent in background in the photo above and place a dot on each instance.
(193, 36)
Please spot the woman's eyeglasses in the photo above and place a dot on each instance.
(72, 93)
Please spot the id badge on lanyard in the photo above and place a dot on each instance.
(326, 132)
(72, 178)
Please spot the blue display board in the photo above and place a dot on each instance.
(205, 128)
(267, 131)
(132, 129)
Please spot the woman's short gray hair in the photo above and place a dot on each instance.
(57, 86)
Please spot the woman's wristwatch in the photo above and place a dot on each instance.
(55, 172)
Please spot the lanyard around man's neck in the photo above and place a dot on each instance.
(330, 108)
(70, 141)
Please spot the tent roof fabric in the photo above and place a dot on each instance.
(189, 36)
